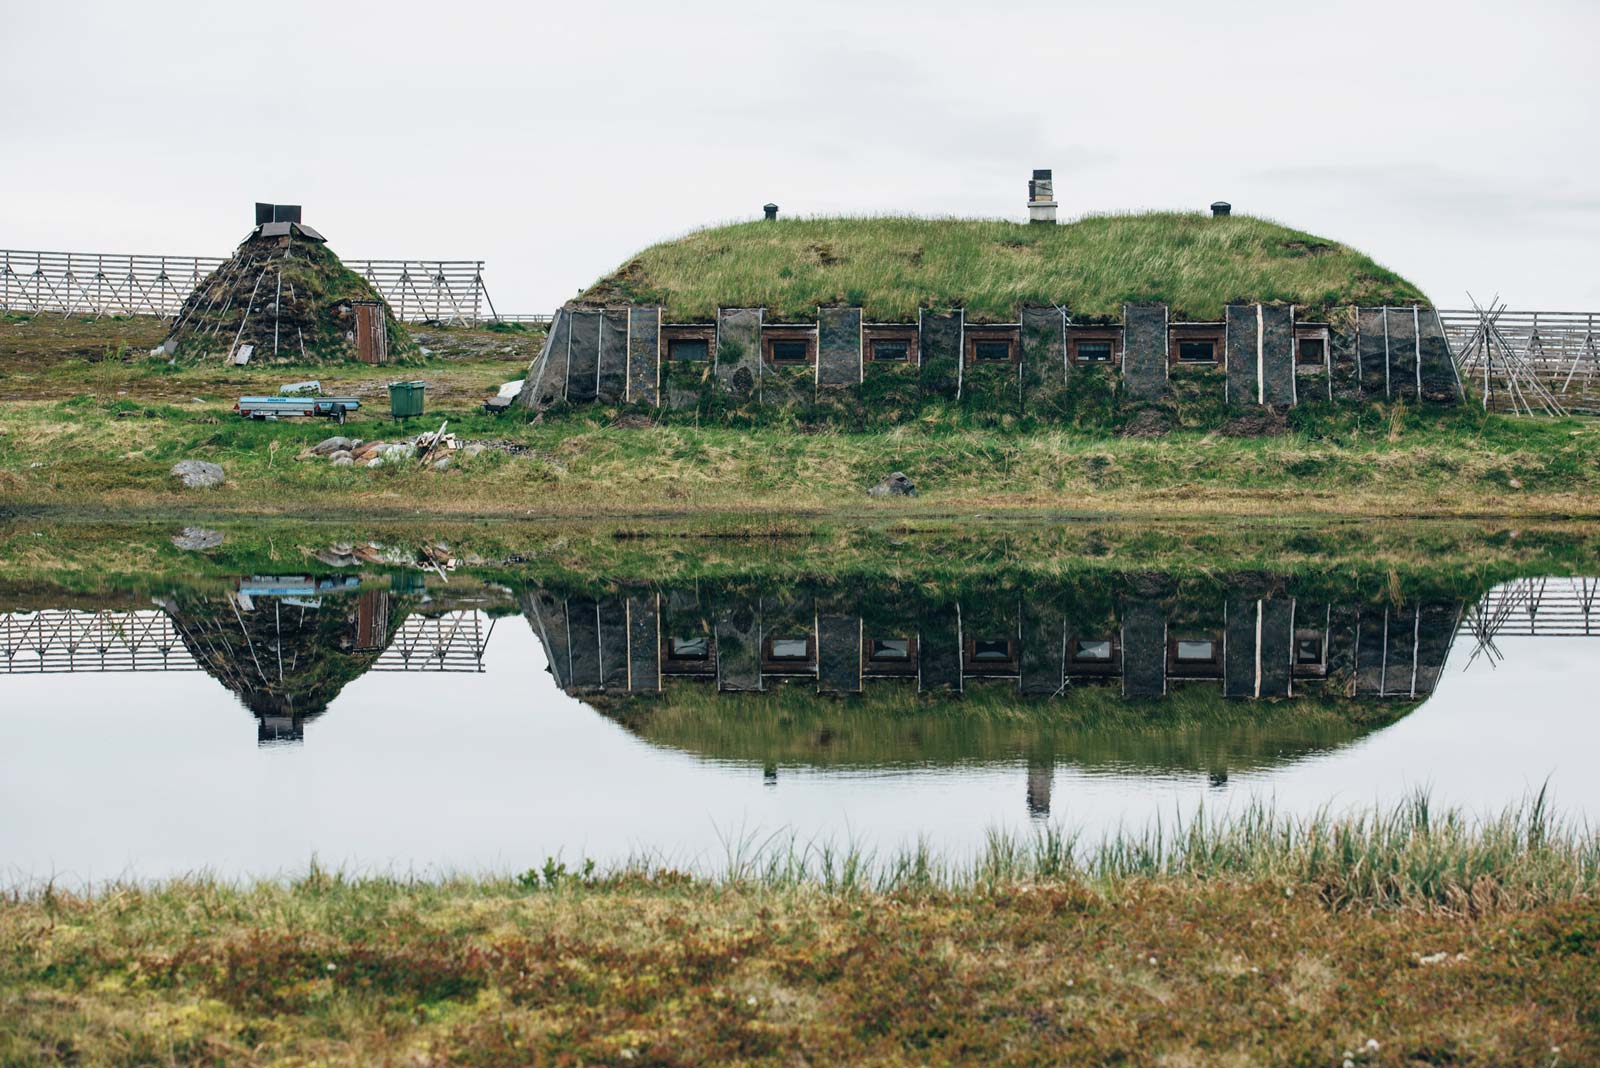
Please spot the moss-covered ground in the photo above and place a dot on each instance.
(1408, 938)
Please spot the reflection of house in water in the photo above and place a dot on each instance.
(285, 645)
(1251, 646)
(1136, 641)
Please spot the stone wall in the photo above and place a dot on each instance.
(616, 355)
(1144, 351)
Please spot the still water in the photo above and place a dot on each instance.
(246, 727)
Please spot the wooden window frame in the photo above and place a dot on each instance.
(889, 668)
(1316, 334)
(1076, 337)
(1194, 669)
(771, 335)
(1307, 668)
(774, 665)
(871, 335)
(697, 666)
(1180, 333)
(1112, 666)
(976, 335)
(971, 665)
(680, 332)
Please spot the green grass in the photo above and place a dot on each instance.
(1404, 937)
(894, 266)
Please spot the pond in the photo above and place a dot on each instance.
(383, 720)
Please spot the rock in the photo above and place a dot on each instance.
(197, 539)
(365, 451)
(441, 465)
(342, 460)
(342, 454)
(328, 446)
(374, 462)
(198, 474)
(896, 485)
(471, 450)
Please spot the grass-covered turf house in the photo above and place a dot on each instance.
(285, 297)
(1123, 316)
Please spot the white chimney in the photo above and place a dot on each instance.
(1041, 198)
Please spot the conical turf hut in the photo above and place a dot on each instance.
(285, 297)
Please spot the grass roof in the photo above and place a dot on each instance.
(891, 267)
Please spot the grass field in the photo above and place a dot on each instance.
(1402, 938)
(893, 266)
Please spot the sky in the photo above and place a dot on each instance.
(1450, 142)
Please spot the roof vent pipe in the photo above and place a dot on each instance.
(1221, 208)
(770, 211)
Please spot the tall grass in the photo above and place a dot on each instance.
(894, 266)
(1408, 856)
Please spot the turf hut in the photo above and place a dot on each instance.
(1139, 323)
(284, 296)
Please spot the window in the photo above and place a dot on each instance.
(1093, 351)
(991, 651)
(1092, 650)
(1311, 351)
(689, 648)
(689, 348)
(889, 649)
(1197, 352)
(991, 352)
(783, 351)
(1195, 651)
(789, 650)
(890, 350)
(1308, 649)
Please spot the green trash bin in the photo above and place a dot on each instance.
(405, 398)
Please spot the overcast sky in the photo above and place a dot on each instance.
(1453, 142)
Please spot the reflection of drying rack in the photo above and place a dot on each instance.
(61, 640)
(453, 641)
(1533, 608)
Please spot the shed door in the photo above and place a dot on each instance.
(372, 334)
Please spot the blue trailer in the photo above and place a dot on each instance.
(284, 407)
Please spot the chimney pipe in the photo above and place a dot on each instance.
(770, 211)
(1041, 198)
(1221, 208)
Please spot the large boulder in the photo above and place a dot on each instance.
(197, 539)
(898, 484)
(198, 474)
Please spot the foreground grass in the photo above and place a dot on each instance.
(1402, 939)
(116, 453)
(894, 266)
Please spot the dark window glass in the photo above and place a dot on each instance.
(1312, 350)
(790, 352)
(991, 351)
(689, 648)
(1196, 651)
(889, 649)
(689, 348)
(1308, 651)
(1094, 351)
(1092, 650)
(788, 649)
(891, 351)
(1197, 351)
(990, 650)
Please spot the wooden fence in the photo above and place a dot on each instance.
(103, 283)
(1560, 349)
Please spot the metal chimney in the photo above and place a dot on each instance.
(770, 211)
(1221, 208)
(1041, 198)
